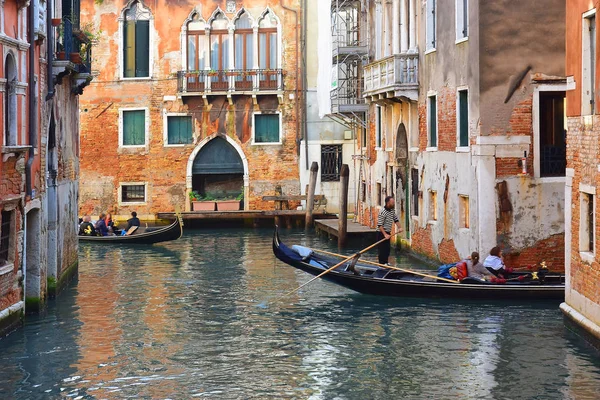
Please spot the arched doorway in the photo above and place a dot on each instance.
(401, 186)
(218, 168)
(10, 101)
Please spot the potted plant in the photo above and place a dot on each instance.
(75, 58)
(212, 72)
(228, 204)
(200, 203)
(232, 73)
(56, 21)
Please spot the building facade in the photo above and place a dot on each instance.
(205, 101)
(464, 125)
(582, 297)
(40, 150)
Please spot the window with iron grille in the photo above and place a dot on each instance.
(133, 193)
(5, 231)
(414, 179)
(331, 162)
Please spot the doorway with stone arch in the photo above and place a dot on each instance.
(218, 168)
(401, 177)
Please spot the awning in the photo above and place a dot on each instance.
(218, 157)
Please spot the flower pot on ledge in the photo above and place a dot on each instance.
(228, 205)
(203, 205)
(61, 55)
(56, 21)
(75, 58)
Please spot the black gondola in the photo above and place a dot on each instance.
(149, 236)
(386, 282)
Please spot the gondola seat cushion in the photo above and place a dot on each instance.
(461, 271)
(302, 251)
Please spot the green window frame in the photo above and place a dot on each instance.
(463, 118)
(134, 128)
(432, 121)
(179, 129)
(136, 49)
(267, 128)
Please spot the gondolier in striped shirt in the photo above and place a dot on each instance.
(387, 217)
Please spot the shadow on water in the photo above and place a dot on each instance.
(180, 320)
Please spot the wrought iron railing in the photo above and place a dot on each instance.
(553, 161)
(230, 80)
(72, 44)
(392, 72)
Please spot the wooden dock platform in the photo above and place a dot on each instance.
(355, 230)
(286, 218)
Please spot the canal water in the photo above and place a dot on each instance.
(181, 320)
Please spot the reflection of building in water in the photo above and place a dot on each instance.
(582, 297)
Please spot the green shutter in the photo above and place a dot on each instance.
(463, 98)
(134, 128)
(179, 130)
(432, 122)
(142, 48)
(129, 49)
(266, 129)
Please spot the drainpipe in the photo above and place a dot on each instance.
(31, 100)
(298, 69)
(50, 49)
(304, 81)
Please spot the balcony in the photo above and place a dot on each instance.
(250, 82)
(73, 56)
(393, 76)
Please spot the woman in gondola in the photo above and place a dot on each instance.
(476, 269)
(494, 263)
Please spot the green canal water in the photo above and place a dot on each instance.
(181, 320)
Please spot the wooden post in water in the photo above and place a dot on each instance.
(278, 192)
(310, 195)
(343, 218)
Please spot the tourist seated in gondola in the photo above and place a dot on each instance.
(133, 221)
(494, 263)
(101, 227)
(86, 228)
(476, 270)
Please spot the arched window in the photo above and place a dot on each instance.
(136, 41)
(10, 101)
(219, 42)
(244, 50)
(196, 44)
(267, 41)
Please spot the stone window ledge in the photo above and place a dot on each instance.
(587, 256)
(7, 268)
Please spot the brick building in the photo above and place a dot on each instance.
(204, 98)
(39, 166)
(457, 94)
(582, 298)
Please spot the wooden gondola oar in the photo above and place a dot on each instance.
(353, 257)
(409, 271)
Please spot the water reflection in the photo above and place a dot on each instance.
(181, 320)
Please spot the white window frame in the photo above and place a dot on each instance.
(132, 203)
(586, 254)
(459, 148)
(460, 4)
(537, 169)
(146, 127)
(8, 265)
(587, 76)
(430, 26)
(166, 116)
(378, 127)
(437, 128)
(254, 143)
(151, 41)
(464, 200)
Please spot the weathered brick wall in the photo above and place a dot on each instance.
(104, 165)
(583, 153)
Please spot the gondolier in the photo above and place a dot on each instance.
(387, 217)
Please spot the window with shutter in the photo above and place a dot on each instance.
(136, 42)
(134, 128)
(463, 118)
(431, 25)
(266, 128)
(432, 121)
(179, 130)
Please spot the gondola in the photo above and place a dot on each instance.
(149, 236)
(385, 282)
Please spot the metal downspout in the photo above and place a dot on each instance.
(31, 114)
(50, 49)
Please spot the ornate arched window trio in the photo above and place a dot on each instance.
(231, 55)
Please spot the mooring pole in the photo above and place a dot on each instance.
(343, 219)
(310, 195)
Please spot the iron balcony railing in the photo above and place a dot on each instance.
(231, 80)
(72, 44)
(392, 73)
